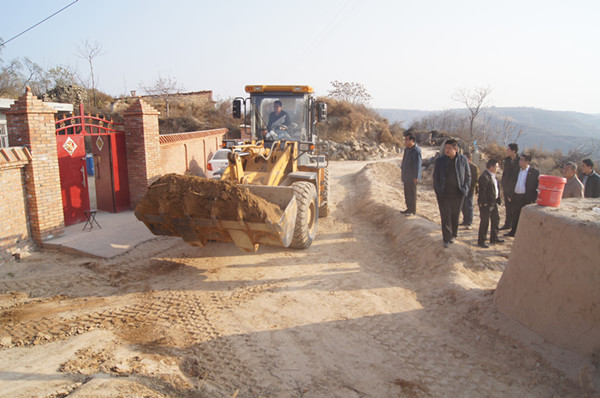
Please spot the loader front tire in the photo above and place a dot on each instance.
(307, 217)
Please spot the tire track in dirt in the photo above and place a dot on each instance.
(207, 356)
(349, 317)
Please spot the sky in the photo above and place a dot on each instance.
(407, 54)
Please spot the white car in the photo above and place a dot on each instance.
(217, 163)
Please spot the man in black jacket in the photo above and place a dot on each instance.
(524, 190)
(451, 182)
(411, 173)
(488, 201)
(510, 171)
(467, 207)
(590, 179)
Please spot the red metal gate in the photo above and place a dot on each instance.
(106, 144)
(73, 177)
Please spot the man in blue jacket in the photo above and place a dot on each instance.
(411, 173)
(451, 182)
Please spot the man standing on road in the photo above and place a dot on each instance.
(524, 191)
(510, 170)
(411, 173)
(573, 187)
(590, 179)
(488, 201)
(467, 207)
(451, 182)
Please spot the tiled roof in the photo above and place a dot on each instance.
(169, 138)
(14, 156)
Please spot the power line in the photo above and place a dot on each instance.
(42, 21)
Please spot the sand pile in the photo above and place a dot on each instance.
(177, 196)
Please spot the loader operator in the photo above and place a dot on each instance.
(279, 121)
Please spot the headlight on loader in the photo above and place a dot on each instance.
(306, 147)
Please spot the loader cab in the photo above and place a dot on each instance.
(300, 111)
(293, 118)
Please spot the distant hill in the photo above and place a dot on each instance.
(542, 128)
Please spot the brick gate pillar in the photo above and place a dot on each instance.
(143, 148)
(30, 124)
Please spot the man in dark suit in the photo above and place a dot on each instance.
(488, 201)
(510, 170)
(590, 179)
(524, 191)
(451, 182)
(411, 173)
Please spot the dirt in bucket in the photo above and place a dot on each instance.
(177, 195)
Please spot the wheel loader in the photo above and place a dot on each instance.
(283, 164)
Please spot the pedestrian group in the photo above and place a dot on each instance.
(456, 180)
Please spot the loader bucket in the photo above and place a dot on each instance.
(201, 210)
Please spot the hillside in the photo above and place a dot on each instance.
(542, 128)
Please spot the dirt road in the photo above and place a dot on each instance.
(376, 307)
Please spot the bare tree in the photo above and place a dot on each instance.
(33, 76)
(89, 51)
(61, 75)
(10, 78)
(352, 92)
(475, 100)
(508, 132)
(163, 87)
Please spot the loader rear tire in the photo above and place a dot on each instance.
(324, 207)
(307, 217)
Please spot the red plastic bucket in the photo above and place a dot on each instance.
(550, 190)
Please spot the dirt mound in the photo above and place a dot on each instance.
(379, 201)
(178, 196)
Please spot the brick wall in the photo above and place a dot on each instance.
(189, 153)
(14, 234)
(143, 149)
(31, 124)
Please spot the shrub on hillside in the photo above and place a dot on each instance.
(495, 151)
(179, 124)
(346, 121)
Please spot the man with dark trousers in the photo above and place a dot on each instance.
(488, 201)
(590, 179)
(524, 190)
(451, 182)
(467, 207)
(510, 170)
(411, 173)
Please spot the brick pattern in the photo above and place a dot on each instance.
(31, 124)
(143, 148)
(15, 232)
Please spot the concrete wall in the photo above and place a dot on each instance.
(189, 153)
(551, 283)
